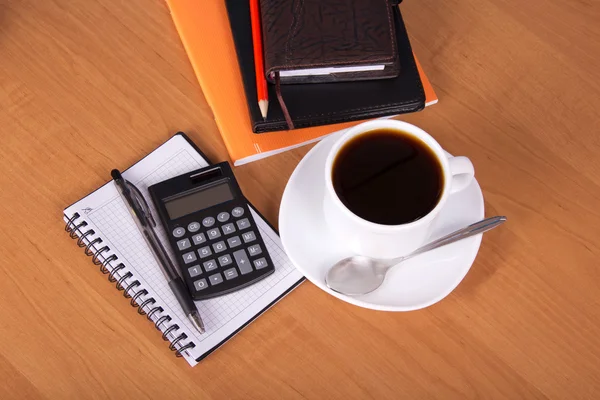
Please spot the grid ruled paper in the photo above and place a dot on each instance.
(107, 215)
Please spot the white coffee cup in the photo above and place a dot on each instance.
(387, 241)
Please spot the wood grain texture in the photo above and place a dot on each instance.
(87, 86)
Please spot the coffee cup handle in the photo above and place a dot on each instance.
(462, 172)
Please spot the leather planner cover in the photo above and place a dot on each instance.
(327, 103)
(306, 35)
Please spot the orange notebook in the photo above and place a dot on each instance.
(204, 30)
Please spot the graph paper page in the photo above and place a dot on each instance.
(107, 215)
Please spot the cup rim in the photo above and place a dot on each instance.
(406, 127)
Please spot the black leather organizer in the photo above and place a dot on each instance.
(327, 103)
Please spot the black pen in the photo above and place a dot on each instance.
(138, 207)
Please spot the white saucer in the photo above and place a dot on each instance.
(416, 283)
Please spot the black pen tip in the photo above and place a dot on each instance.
(116, 174)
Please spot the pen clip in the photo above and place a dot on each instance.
(141, 200)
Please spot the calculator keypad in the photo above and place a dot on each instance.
(225, 247)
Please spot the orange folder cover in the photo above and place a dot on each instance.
(204, 30)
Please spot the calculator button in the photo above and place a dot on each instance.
(194, 271)
(242, 261)
(215, 279)
(230, 273)
(243, 223)
(204, 252)
(225, 260)
(199, 238)
(219, 247)
(208, 222)
(228, 228)
(254, 250)
(213, 233)
(260, 263)
(200, 284)
(178, 232)
(194, 227)
(189, 257)
(223, 217)
(183, 244)
(237, 212)
(209, 265)
(234, 241)
(249, 236)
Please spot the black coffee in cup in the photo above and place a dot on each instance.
(388, 177)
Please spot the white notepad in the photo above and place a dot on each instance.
(110, 233)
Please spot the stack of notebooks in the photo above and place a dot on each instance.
(103, 227)
(217, 36)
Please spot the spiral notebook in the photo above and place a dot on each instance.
(102, 225)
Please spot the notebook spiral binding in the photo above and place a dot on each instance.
(101, 256)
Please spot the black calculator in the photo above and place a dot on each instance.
(217, 243)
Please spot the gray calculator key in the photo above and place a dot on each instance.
(223, 217)
(249, 236)
(215, 279)
(241, 258)
(209, 265)
(204, 252)
(208, 222)
(199, 238)
(228, 229)
(200, 284)
(260, 263)
(178, 232)
(230, 273)
(254, 250)
(213, 233)
(193, 227)
(189, 257)
(243, 223)
(194, 270)
(234, 241)
(237, 212)
(219, 247)
(183, 244)
(225, 260)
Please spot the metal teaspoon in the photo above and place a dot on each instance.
(357, 275)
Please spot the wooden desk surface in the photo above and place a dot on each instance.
(86, 86)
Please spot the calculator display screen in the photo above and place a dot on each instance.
(198, 200)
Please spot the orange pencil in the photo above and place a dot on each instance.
(259, 69)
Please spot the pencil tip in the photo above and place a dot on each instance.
(264, 108)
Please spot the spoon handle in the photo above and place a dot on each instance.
(471, 230)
